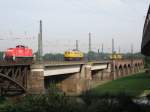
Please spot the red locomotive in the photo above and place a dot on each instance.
(18, 54)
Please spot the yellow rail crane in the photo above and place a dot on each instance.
(116, 56)
(73, 55)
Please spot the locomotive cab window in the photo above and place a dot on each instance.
(20, 46)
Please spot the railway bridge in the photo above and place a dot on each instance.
(125, 67)
(70, 77)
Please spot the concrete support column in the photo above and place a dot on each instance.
(119, 72)
(135, 69)
(123, 71)
(138, 68)
(108, 74)
(87, 72)
(116, 72)
(35, 82)
(100, 75)
(94, 75)
(85, 81)
(142, 66)
(70, 85)
(113, 70)
(132, 69)
(77, 83)
(129, 70)
(126, 71)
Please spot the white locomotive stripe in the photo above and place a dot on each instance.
(37, 70)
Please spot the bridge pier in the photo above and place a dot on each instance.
(129, 70)
(77, 82)
(125, 71)
(132, 69)
(135, 69)
(107, 75)
(118, 72)
(35, 79)
(138, 67)
(98, 75)
(113, 70)
(70, 85)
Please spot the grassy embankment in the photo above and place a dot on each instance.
(135, 85)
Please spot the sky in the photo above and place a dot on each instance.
(65, 21)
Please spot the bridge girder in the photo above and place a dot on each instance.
(13, 80)
(145, 47)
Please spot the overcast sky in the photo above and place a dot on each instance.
(65, 21)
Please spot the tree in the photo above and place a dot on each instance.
(53, 57)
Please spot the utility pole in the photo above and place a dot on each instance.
(132, 56)
(40, 48)
(102, 51)
(119, 49)
(89, 42)
(98, 56)
(132, 49)
(113, 61)
(98, 51)
(113, 48)
(77, 45)
(132, 52)
(102, 48)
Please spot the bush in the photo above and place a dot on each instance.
(85, 103)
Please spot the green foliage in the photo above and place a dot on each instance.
(86, 103)
(1, 55)
(95, 56)
(147, 62)
(92, 56)
(110, 103)
(2, 99)
(44, 103)
(134, 56)
(53, 57)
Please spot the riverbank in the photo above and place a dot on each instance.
(135, 85)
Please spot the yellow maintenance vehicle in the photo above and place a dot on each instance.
(116, 56)
(73, 55)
